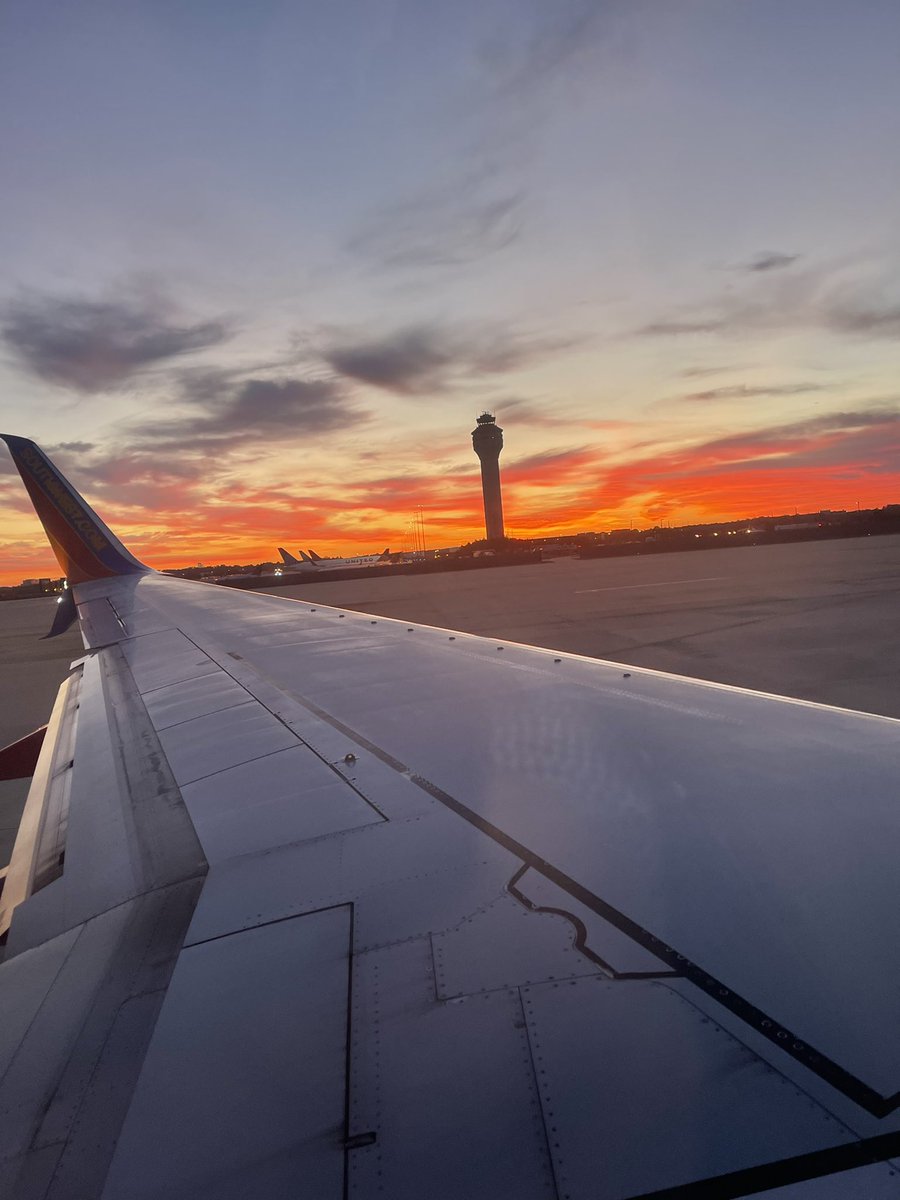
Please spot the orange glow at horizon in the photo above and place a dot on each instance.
(563, 500)
(179, 513)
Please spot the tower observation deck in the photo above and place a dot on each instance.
(487, 438)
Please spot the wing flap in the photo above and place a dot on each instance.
(261, 1110)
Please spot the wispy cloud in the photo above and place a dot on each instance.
(443, 227)
(765, 469)
(545, 43)
(675, 325)
(93, 345)
(539, 414)
(408, 361)
(772, 260)
(431, 357)
(702, 372)
(743, 391)
(230, 412)
(554, 467)
(856, 315)
(833, 298)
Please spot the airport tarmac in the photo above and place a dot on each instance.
(814, 620)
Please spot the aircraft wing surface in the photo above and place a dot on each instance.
(308, 903)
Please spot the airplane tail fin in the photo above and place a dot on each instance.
(314, 557)
(385, 554)
(84, 547)
(286, 557)
(305, 557)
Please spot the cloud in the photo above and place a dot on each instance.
(825, 298)
(162, 485)
(541, 414)
(93, 345)
(547, 44)
(553, 467)
(786, 441)
(476, 208)
(861, 318)
(230, 412)
(746, 392)
(702, 372)
(178, 463)
(771, 261)
(431, 357)
(408, 361)
(441, 228)
(676, 326)
(770, 468)
(855, 445)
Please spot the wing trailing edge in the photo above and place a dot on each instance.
(84, 547)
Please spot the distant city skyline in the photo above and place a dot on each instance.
(264, 265)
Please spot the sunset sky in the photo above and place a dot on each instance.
(264, 263)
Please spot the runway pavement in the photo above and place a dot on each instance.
(815, 620)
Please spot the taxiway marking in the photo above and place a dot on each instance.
(624, 587)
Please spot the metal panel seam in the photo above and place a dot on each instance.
(40, 1007)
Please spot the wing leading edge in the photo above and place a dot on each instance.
(415, 913)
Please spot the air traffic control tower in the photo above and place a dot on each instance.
(487, 438)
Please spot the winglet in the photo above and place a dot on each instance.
(84, 547)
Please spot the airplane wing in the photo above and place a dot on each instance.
(312, 904)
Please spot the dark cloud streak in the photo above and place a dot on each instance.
(432, 357)
(748, 392)
(91, 345)
(771, 261)
(675, 326)
(231, 413)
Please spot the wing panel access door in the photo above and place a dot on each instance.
(241, 1096)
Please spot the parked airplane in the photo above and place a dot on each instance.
(289, 564)
(310, 903)
(315, 562)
